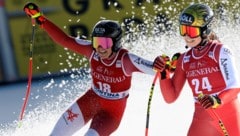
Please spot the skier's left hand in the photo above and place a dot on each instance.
(208, 101)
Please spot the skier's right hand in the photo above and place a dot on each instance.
(33, 11)
(165, 74)
(159, 63)
(174, 60)
(165, 66)
(162, 64)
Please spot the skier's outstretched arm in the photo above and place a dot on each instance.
(77, 45)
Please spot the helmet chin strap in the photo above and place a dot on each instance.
(201, 45)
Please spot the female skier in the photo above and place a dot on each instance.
(209, 68)
(111, 71)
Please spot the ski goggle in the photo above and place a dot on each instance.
(191, 31)
(104, 42)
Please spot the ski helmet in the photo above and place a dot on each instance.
(109, 28)
(197, 15)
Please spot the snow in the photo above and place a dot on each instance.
(40, 116)
(50, 97)
(45, 107)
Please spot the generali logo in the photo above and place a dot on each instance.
(186, 19)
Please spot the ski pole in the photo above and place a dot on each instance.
(149, 103)
(220, 123)
(29, 73)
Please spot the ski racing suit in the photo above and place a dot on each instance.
(104, 103)
(213, 73)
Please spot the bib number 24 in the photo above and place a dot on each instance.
(201, 85)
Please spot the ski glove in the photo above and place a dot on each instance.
(33, 11)
(166, 66)
(174, 60)
(208, 101)
(160, 63)
(165, 74)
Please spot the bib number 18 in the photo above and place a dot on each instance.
(104, 87)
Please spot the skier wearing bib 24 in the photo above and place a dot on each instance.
(111, 71)
(208, 67)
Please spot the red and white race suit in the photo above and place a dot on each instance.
(104, 103)
(211, 71)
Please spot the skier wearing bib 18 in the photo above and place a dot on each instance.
(111, 67)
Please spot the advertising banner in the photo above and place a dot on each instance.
(75, 17)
